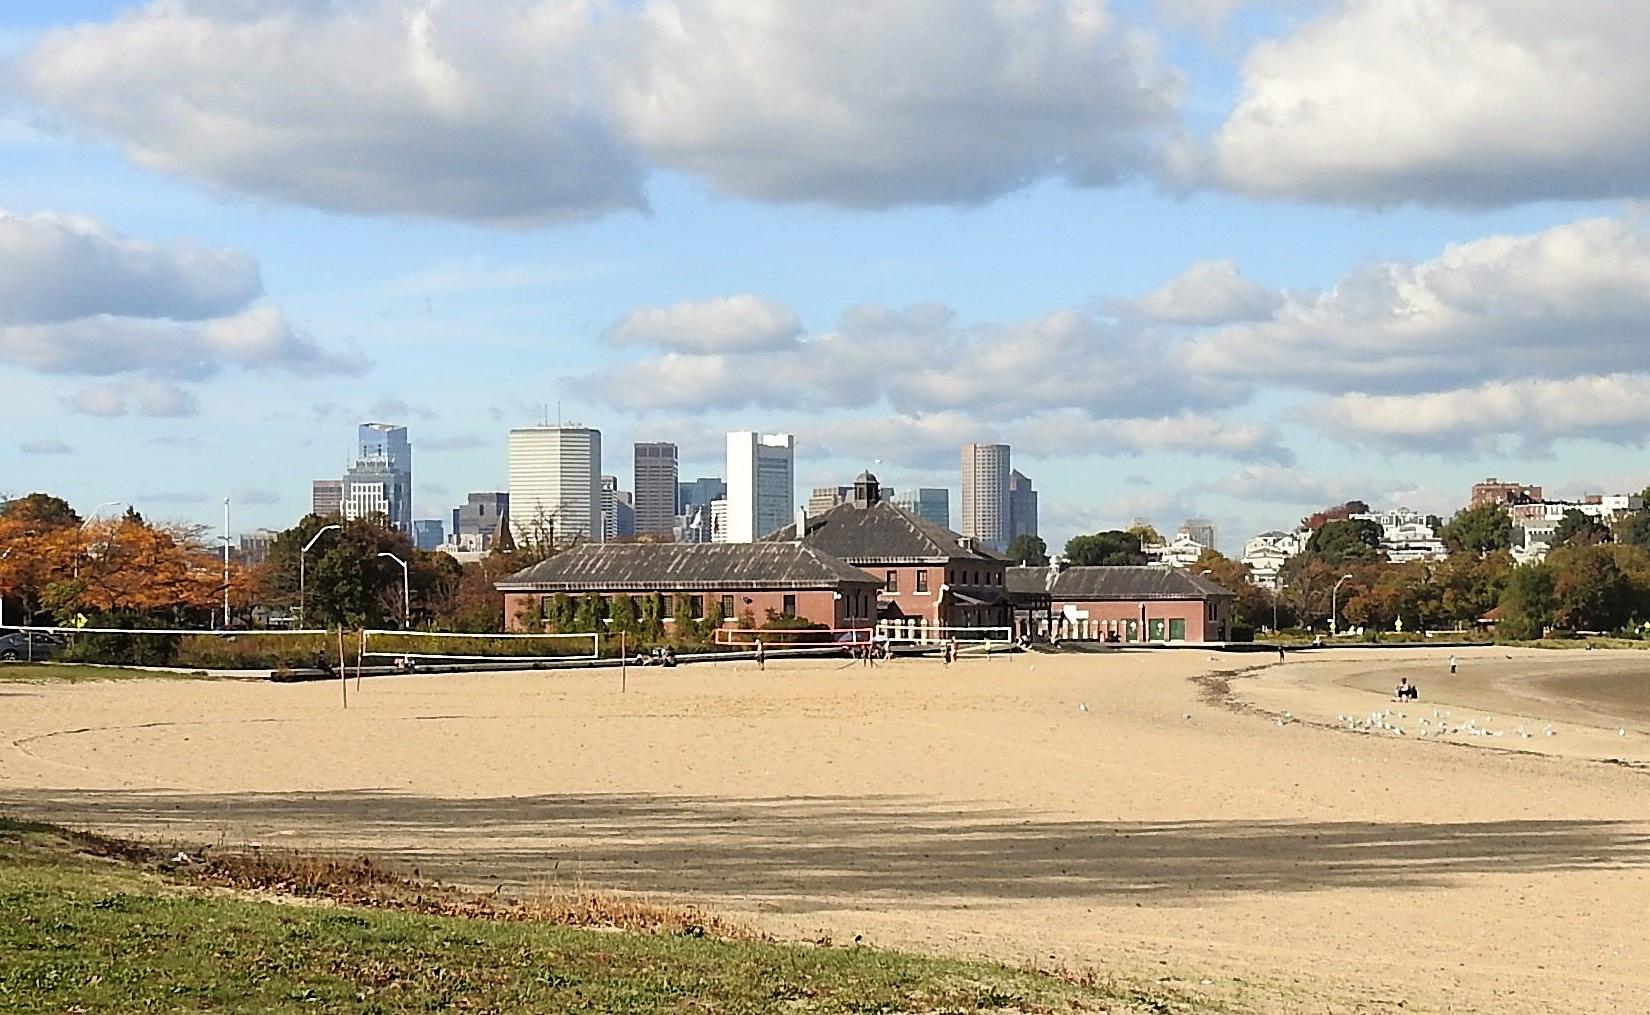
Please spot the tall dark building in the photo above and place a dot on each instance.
(1022, 506)
(655, 488)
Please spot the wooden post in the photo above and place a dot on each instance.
(343, 671)
(624, 664)
(359, 657)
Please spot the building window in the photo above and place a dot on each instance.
(697, 604)
(922, 581)
(790, 606)
(727, 607)
(892, 585)
(668, 605)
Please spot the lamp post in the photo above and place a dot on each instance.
(3, 556)
(1334, 593)
(302, 603)
(87, 521)
(406, 591)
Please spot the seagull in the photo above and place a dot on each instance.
(1621, 732)
(1082, 707)
(1188, 715)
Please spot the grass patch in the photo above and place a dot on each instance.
(73, 673)
(94, 924)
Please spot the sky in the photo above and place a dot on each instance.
(1217, 258)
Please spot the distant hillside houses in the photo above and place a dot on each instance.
(1535, 522)
(1266, 554)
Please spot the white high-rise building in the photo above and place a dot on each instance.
(761, 484)
(985, 501)
(556, 484)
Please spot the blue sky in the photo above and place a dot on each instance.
(1190, 257)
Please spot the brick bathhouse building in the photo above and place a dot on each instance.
(745, 580)
(1138, 605)
(931, 577)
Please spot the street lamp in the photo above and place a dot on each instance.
(306, 548)
(1333, 601)
(87, 521)
(406, 591)
(3, 556)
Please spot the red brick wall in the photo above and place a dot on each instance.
(927, 605)
(1199, 627)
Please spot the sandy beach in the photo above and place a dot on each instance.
(1126, 812)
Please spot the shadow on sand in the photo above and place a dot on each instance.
(812, 853)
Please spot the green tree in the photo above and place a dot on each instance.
(1578, 529)
(591, 614)
(1111, 548)
(1480, 530)
(346, 581)
(1028, 550)
(1590, 591)
(1634, 530)
(622, 616)
(653, 617)
(1527, 603)
(560, 614)
(1346, 540)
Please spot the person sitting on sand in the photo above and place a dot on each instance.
(1406, 691)
(669, 657)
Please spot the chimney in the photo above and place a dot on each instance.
(801, 522)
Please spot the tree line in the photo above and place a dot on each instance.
(1595, 578)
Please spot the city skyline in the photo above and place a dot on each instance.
(1439, 305)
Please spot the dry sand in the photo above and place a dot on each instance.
(975, 810)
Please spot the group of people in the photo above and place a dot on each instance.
(658, 657)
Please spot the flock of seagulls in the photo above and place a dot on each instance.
(1440, 725)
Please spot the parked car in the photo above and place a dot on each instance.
(23, 645)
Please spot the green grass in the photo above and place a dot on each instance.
(113, 932)
(76, 673)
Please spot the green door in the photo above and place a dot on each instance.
(1154, 629)
(1177, 629)
(1133, 632)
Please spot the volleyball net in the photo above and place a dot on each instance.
(918, 634)
(799, 637)
(187, 648)
(440, 647)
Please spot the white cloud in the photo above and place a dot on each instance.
(1612, 407)
(79, 298)
(727, 324)
(1281, 484)
(138, 396)
(1454, 102)
(366, 106)
(259, 337)
(1209, 292)
(525, 111)
(875, 105)
(246, 495)
(54, 268)
(919, 360)
(1498, 307)
(47, 446)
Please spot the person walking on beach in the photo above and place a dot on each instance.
(761, 656)
(1452, 666)
(1280, 653)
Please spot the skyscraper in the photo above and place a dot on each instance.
(555, 484)
(380, 481)
(429, 533)
(618, 511)
(930, 502)
(761, 484)
(1022, 506)
(985, 493)
(475, 522)
(655, 491)
(326, 498)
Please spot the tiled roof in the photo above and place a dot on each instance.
(707, 566)
(883, 533)
(1120, 583)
